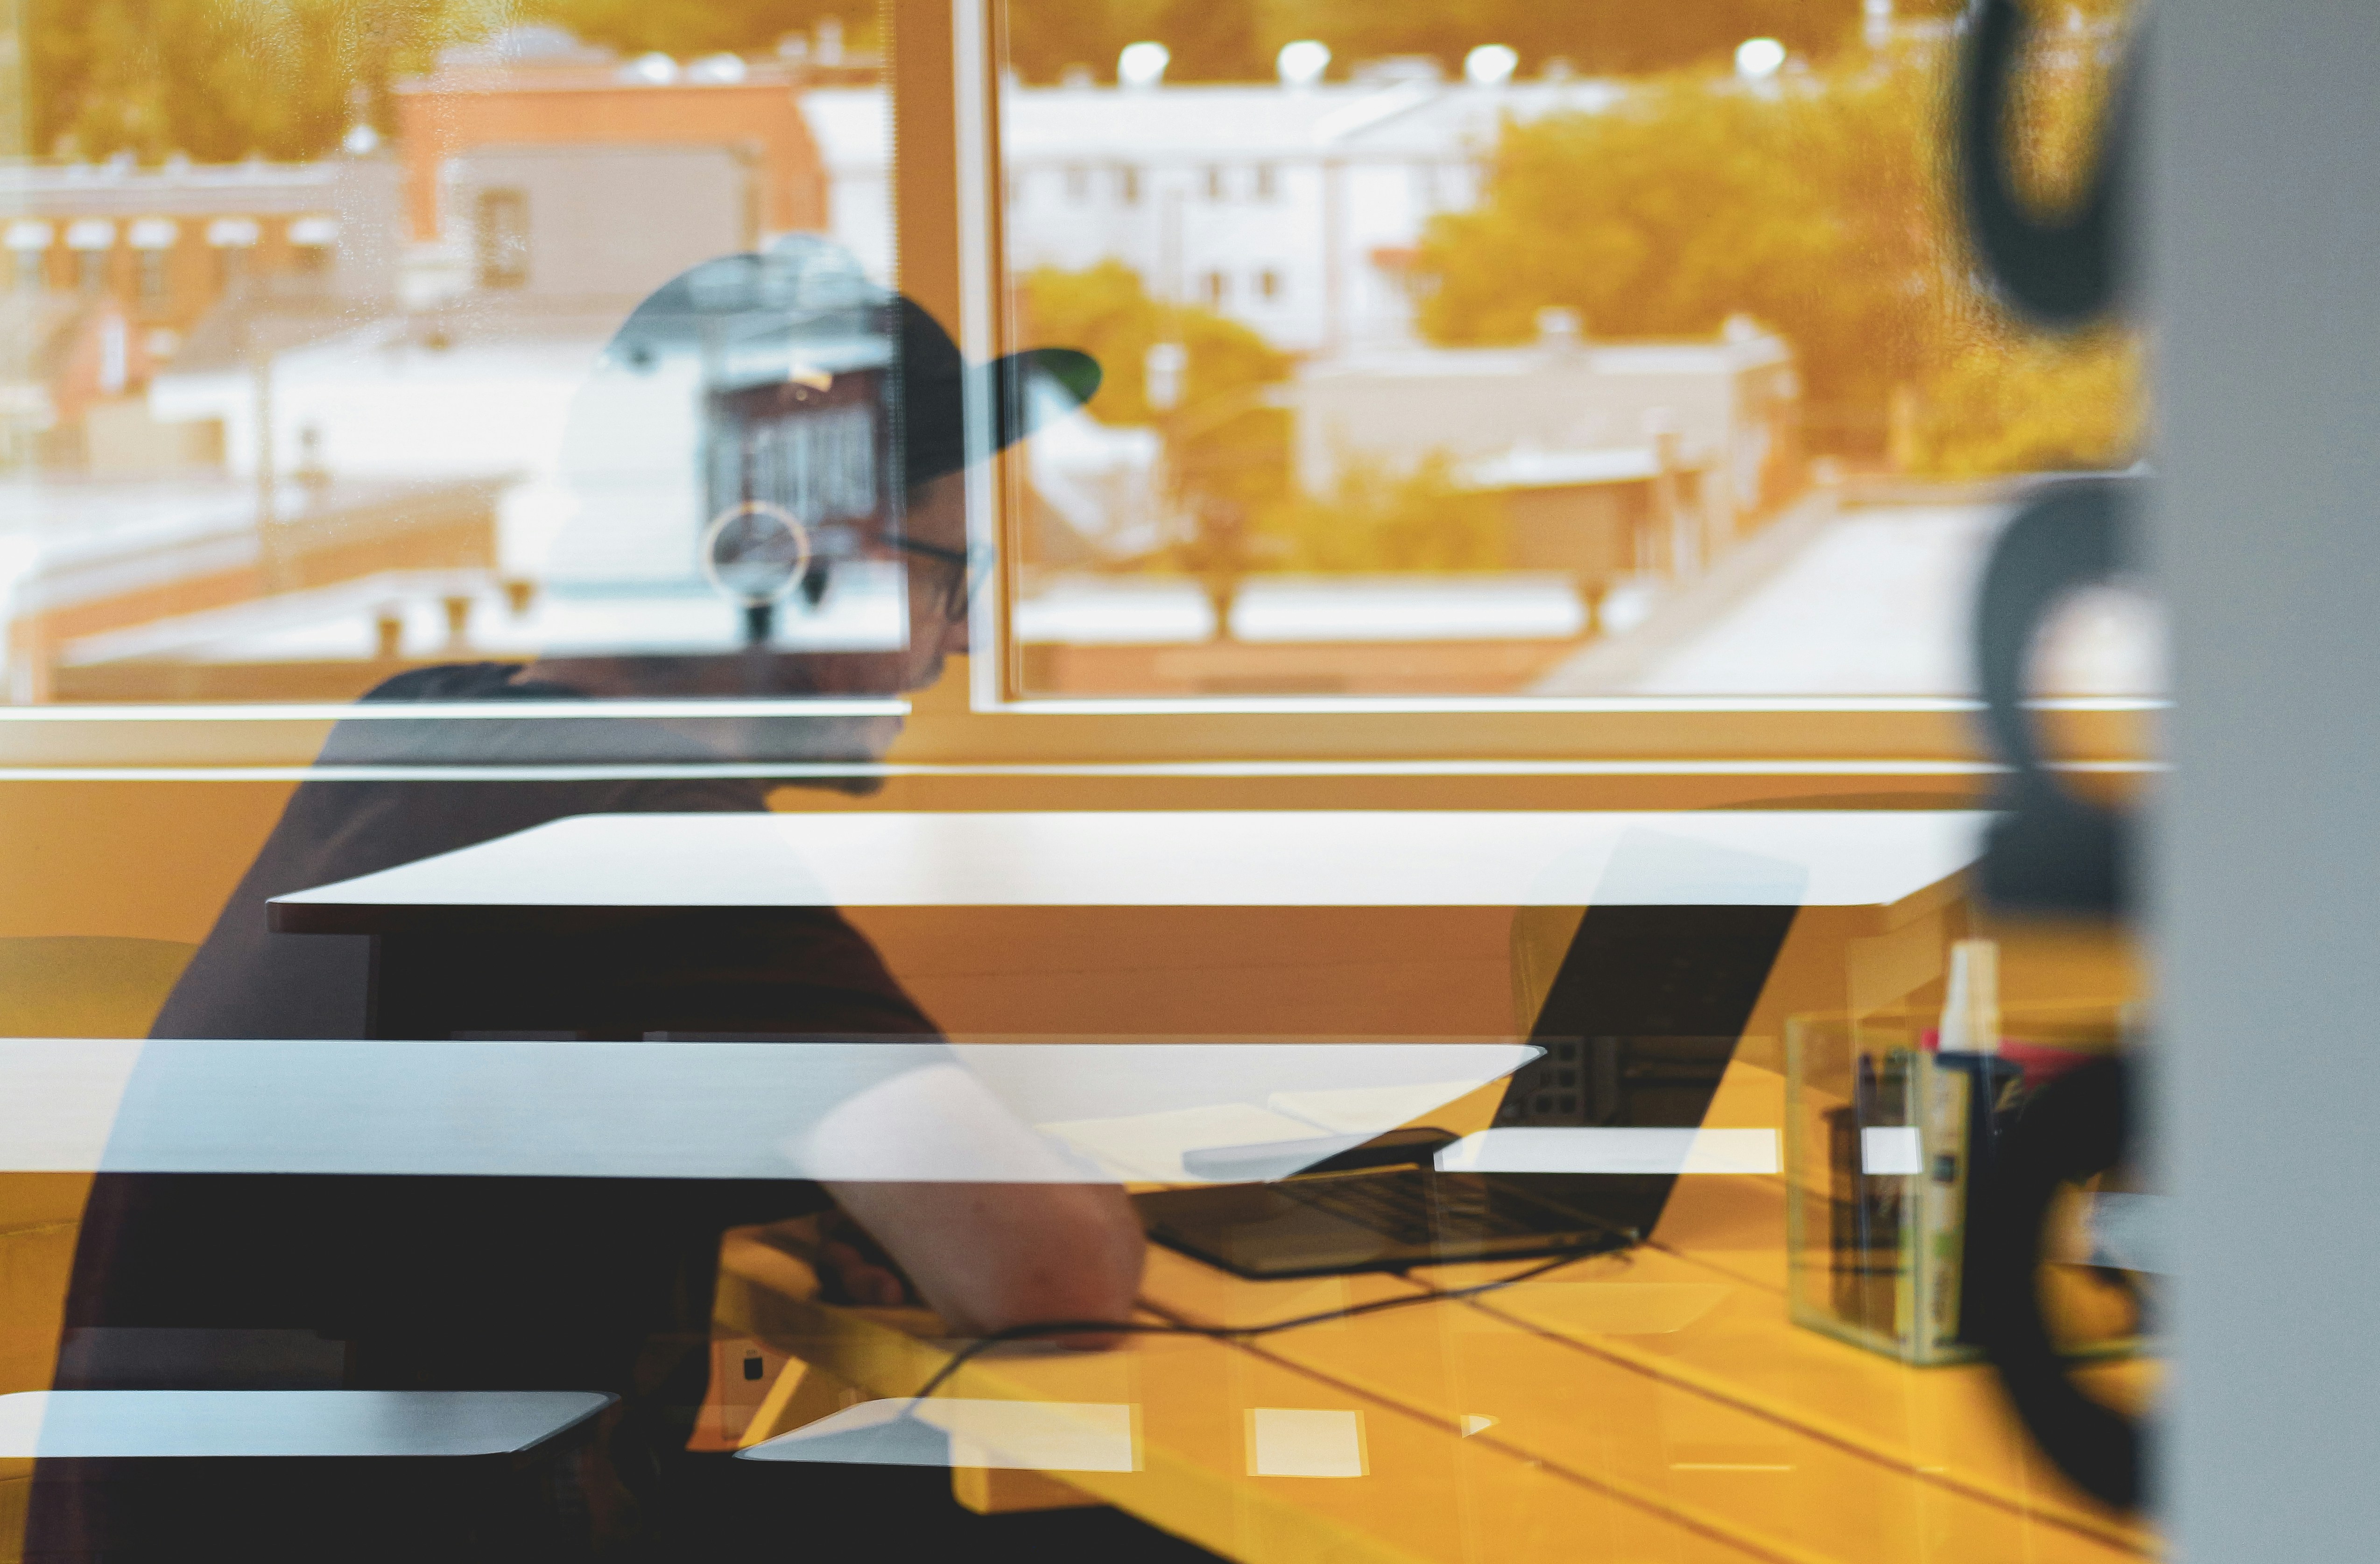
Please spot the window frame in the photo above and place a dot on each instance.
(500, 238)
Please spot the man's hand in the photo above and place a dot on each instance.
(1010, 1246)
(989, 1257)
(853, 1268)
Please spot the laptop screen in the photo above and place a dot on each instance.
(1638, 1026)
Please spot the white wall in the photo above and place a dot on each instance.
(615, 221)
(852, 128)
(1316, 234)
(410, 412)
(2266, 240)
(1400, 408)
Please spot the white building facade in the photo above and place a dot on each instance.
(1295, 211)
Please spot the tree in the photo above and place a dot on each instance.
(1227, 451)
(1599, 37)
(1821, 207)
(688, 28)
(1212, 41)
(221, 80)
(2030, 405)
(1228, 448)
(1107, 312)
(1047, 38)
(1376, 518)
(217, 81)
(1809, 208)
(1236, 39)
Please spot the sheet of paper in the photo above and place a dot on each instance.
(1367, 1110)
(1147, 1147)
(957, 1431)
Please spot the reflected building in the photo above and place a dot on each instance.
(132, 576)
(536, 161)
(1612, 458)
(416, 376)
(1295, 211)
(584, 511)
(111, 268)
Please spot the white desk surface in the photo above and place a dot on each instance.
(1190, 858)
(61, 1424)
(709, 1110)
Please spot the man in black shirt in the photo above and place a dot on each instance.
(266, 1281)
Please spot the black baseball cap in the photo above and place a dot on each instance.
(802, 311)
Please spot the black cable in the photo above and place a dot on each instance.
(1224, 1332)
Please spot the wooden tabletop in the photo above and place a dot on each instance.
(1653, 1404)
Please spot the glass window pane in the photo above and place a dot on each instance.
(1591, 357)
(1078, 777)
(397, 407)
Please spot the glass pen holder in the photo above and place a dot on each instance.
(1887, 1141)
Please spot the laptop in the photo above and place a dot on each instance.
(1640, 1023)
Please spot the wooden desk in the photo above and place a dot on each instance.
(1658, 1405)
(1651, 1405)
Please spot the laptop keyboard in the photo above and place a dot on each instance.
(1423, 1208)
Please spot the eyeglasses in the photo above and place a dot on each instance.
(963, 571)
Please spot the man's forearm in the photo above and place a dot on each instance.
(990, 1257)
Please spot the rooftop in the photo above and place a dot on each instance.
(542, 57)
(1362, 120)
(1523, 467)
(293, 313)
(1205, 123)
(342, 624)
(173, 188)
(1717, 355)
(98, 538)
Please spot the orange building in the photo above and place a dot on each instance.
(538, 87)
(168, 242)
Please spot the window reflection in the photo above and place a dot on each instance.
(294, 365)
(1581, 360)
(507, 371)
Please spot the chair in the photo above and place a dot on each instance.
(70, 985)
(92, 986)
(86, 986)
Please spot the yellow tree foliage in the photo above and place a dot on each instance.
(1379, 519)
(1821, 205)
(1106, 311)
(221, 79)
(1223, 441)
(2030, 405)
(1811, 206)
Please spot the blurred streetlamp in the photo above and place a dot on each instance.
(1757, 59)
(1490, 65)
(1142, 64)
(1302, 63)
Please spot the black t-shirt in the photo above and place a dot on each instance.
(459, 1283)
